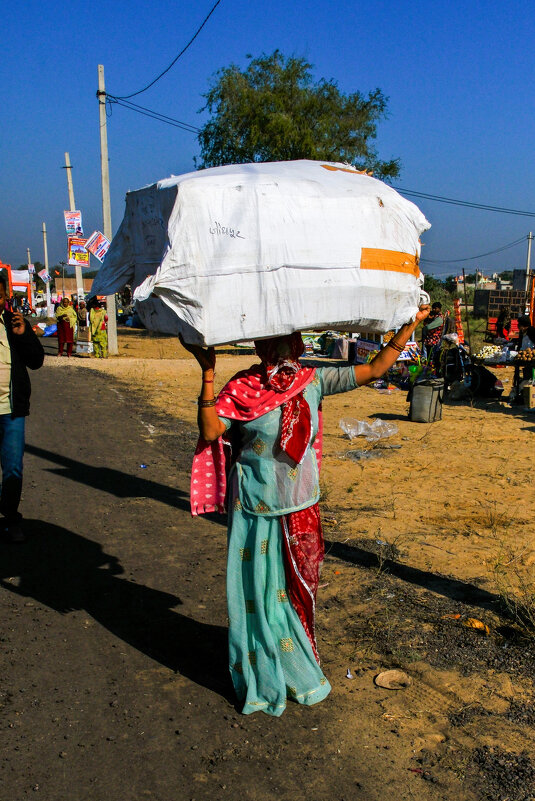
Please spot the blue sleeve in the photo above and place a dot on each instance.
(227, 422)
(336, 379)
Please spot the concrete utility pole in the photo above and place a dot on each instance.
(106, 205)
(30, 282)
(77, 269)
(528, 259)
(47, 283)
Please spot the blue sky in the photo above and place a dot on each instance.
(458, 75)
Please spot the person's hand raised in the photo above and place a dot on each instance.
(422, 312)
(205, 356)
(17, 323)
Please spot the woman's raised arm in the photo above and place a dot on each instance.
(210, 425)
(366, 373)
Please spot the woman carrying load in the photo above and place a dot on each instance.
(66, 317)
(269, 417)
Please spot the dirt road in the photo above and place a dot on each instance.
(113, 669)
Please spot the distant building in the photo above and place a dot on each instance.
(68, 285)
(520, 279)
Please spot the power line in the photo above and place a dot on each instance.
(174, 61)
(155, 115)
(466, 203)
(472, 258)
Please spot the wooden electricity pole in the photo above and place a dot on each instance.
(30, 282)
(106, 205)
(47, 283)
(77, 268)
(466, 310)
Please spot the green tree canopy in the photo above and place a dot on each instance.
(438, 292)
(273, 110)
(506, 275)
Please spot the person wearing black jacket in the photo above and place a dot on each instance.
(19, 349)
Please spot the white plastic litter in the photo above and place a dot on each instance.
(373, 432)
(247, 251)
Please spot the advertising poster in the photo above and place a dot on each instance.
(98, 245)
(78, 255)
(31, 269)
(410, 353)
(73, 223)
(44, 276)
(364, 349)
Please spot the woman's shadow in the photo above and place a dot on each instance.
(66, 571)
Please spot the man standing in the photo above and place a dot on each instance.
(19, 349)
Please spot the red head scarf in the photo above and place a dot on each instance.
(280, 359)
(278, 381)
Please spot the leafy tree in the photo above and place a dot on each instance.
(506, 275)
(451, 284)
(273, 110)
(438, 292)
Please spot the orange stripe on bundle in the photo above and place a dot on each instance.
(389, 260)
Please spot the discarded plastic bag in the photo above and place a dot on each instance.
(362, 455)
(372, 431)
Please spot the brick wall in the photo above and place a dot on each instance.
(488, 303)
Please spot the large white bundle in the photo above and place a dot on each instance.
(248, 251)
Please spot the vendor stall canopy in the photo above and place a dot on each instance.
(247, 251)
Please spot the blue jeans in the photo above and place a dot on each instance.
(11, 453)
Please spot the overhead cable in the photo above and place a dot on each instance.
(480, 256)
(174, 61)
(155, 115)
(466, 203)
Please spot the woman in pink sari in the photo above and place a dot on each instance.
(258, 455)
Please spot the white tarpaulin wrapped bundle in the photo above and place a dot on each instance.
(248, 251)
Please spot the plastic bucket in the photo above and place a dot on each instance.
(426, 401)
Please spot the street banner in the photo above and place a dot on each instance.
(44, 276)
(73, 223)
(31, 269)
(78, 255)
(98, 245)
(20, 277)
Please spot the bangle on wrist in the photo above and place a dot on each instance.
(208, 380)
(395, 346)
(204, 404)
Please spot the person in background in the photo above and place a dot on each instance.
(432, 330)
(503, 323)
(271, 416)
(66, 317)
(526, 333)
(19, 349)
(449, 326)
(81, 314)
(99, 334)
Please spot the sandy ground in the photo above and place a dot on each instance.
(452, 497)
(424, 543)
